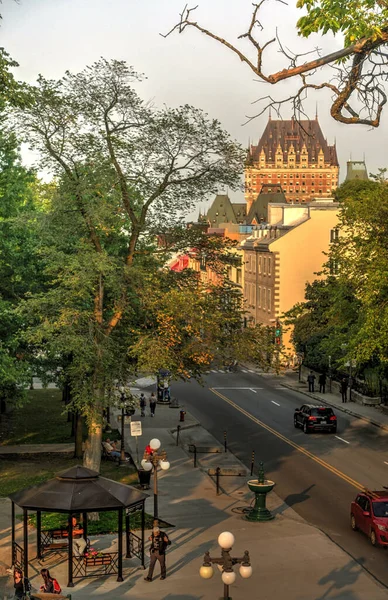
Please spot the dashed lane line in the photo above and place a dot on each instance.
(252, 390)
(342, 440)
(273, 402)
(282, 437)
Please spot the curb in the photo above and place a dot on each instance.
(182, 428)
(345, 410)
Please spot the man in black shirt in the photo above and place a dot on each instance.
(159, 542)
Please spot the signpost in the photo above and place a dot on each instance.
(136, 430)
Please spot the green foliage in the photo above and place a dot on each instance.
(354, 19)
(346, 315)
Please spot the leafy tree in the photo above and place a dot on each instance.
(359, 67)
(125, 169)
(346, 315)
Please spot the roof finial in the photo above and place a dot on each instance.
(316, 111)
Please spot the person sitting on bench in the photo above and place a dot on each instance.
(111, 448)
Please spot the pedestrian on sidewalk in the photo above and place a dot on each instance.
(21, 584)
(143, 404)
(310, 381)
(152, 404)
(159, 542)
(50, 584)
(322, 383)
(344, 389)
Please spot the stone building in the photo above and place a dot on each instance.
(281, 256)
(295, 156)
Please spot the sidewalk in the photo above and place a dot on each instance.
(370, 414)
(290, 558)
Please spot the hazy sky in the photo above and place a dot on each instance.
(51, 36)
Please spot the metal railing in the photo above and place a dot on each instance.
(106, 563)
(17, 556)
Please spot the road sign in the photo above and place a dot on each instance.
(136, 428)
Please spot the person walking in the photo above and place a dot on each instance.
(143, 404)
(152, 404)
(310, 381)
(159, 542)
(344, 389)
(322, 383)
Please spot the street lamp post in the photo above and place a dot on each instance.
(153, 461)
(226, 563)
(122, 461)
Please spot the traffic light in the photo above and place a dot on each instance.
(278, 333)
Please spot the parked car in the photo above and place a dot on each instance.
(315, 418)
(369, 514)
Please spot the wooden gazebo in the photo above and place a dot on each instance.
(79, 491)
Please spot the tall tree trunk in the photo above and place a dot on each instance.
(78, 453)
(92, 455)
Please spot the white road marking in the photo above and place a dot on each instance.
(213, 371)
(273, 402)
(250, 371)
(342, 440)
(252, 390)
(237, 388)
(221, 371)
(386, 463)
(242, 370)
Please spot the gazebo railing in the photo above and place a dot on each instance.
(17, 556)
(135, 546)
(105, 563)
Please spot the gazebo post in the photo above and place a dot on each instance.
(25, 541)
(120, 534)
(85, 525)
(13, 532)
(70, 551)
(38, 534)
(127, 534)
(142, 536)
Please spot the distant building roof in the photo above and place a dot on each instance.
(293, 133)
(223, 211)
(259, 209)
(356, 169)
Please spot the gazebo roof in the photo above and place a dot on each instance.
(78, 490)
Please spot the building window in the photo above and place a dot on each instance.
(334, 235)
(259, 264)
(238, 276)
(258, 297)
(268, 300)
(254, 263)
(253, 295)
(264, 265)
(264, 298)
(269, 266)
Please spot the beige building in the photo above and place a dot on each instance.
(281, 256)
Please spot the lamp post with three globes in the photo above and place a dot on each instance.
(154, 460)
(226, 563)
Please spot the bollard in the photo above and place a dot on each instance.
(178, 429)
(252, 462)
(195, 455)
(218, 480)
(182, 415)
(225, 443)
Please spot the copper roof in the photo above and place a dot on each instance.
(297, 134)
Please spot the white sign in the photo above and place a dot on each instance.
(136, 428)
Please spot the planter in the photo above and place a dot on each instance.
(94, 561)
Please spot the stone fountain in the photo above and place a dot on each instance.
(261, 487)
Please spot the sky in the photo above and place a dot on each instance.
(49, 37)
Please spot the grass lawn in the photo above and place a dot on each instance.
(28, 471)
(40, 420)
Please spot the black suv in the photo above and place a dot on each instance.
(312, 418)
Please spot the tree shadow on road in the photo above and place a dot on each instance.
(293, 499)
(341, 578)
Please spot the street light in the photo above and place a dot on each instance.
(226, 562)
(154, 460)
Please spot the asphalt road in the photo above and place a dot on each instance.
(317, 474)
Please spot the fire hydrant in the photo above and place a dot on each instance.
(182, 415)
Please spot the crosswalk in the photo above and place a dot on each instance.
(246, 371)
